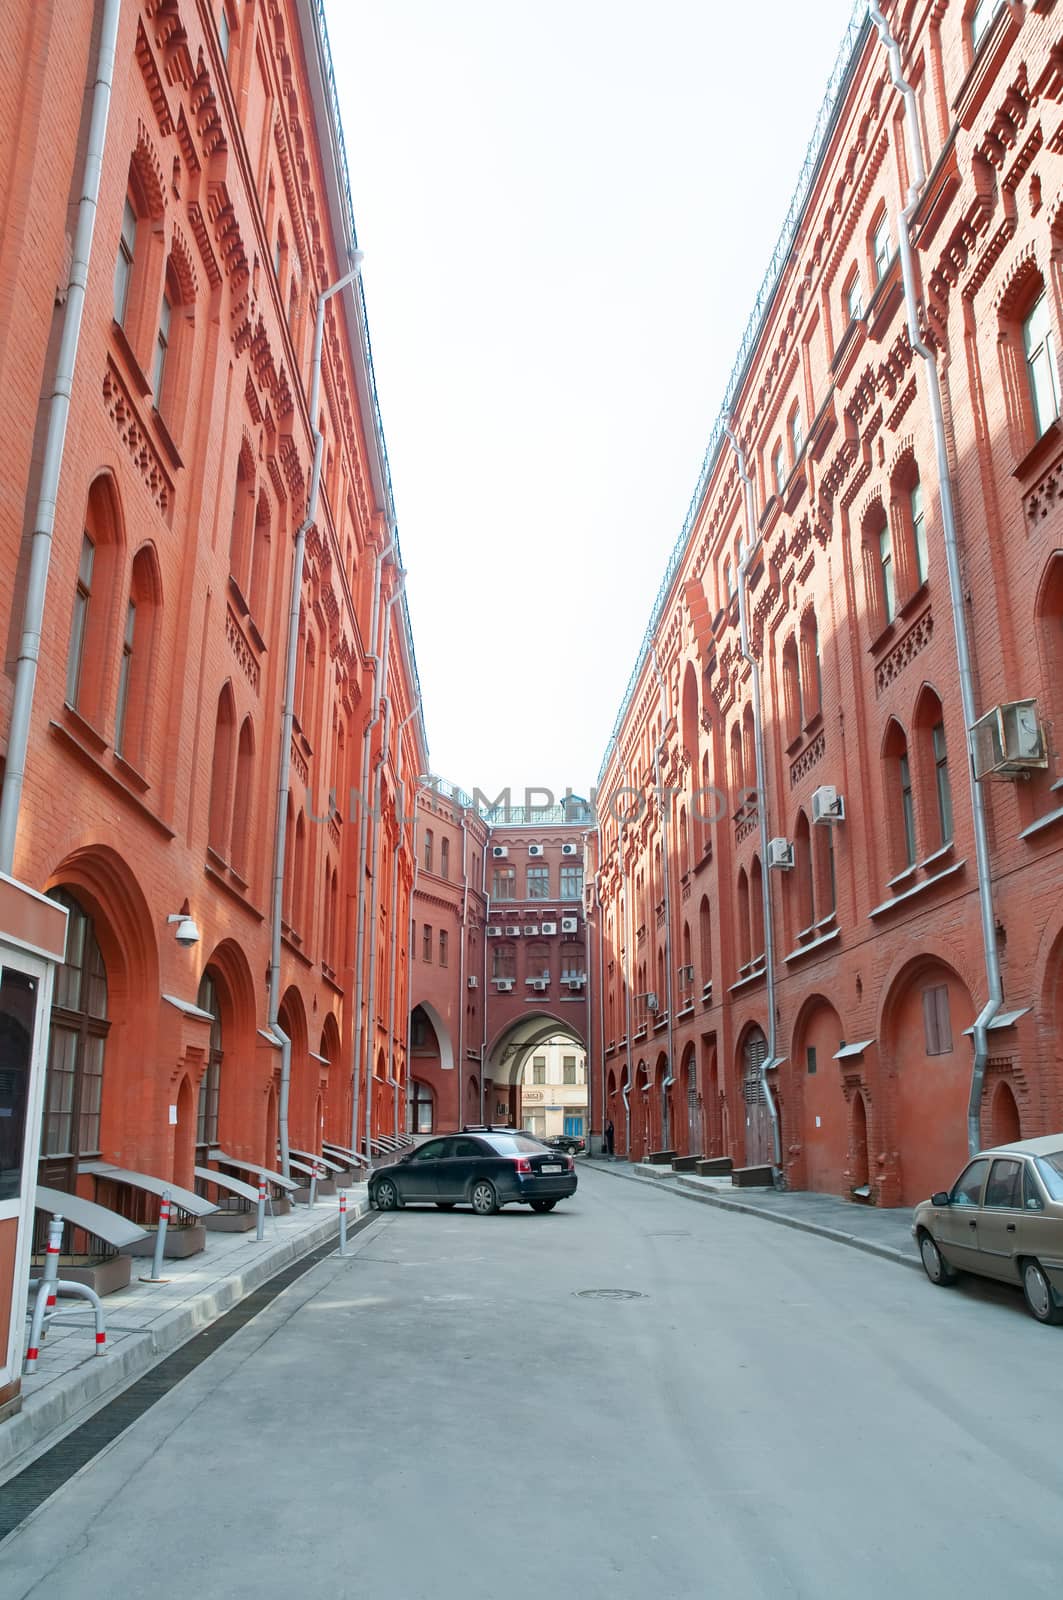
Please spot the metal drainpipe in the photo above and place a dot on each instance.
(601, 981)
(280, 831)
(588, 1068)
(363, 839)
(626, 1091)
(666, 875)
(461, 936)
(994, 985)
(382, 755)
(409, 944)
(483, 1007)
(55, 443)
(749, 546)
(400, 820)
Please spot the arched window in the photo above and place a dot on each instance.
(743, 919)
(705, 940)
(136, 670)
(756, 908)
(258, 598)
(900, 800)
(684, 842)
(796, 431)
(239, 849)
(243, 520)
(811, 675)
(935, 784)
(737, 784)
(444, 858)
(537, 960)
(429, 845)
(289, 862)
(1050, 621)
(210, 1083)
(749, 751)
(879, 568)
(308, 710)
(853, 295)
(94, 594)
(800, 880)
(221, 775)
(688, 959)
(573, 960)
(73, 1094)
(791, 686)
(138, 256)
(824, 876)
(1028, 354)
(299, 873)
(1042, 372)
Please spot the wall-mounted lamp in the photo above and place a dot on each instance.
(186, 932)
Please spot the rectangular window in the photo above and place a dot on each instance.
(936, 1020)
(444, 858)
(922, 564)
(443, 943)
(574, 1127)
(426, 943)
(568, 1069)
(810, 1060)
(571, 882)
(504, 883)
(224, 34)
(885, 560)
(82, 596)
(907, 810)
(981, 17)
(881, 249)
(18, 1008)
(428, 850)
(778, 469)
(538, 883)
(162, 345)
(1041, 371)
(854, 298)
(944, 789)
(538, 1069)
(796, 433)
(123, 266)
(123, 678)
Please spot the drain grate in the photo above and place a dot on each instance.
(609, 1294)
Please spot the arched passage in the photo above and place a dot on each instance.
(511, 1053)
(1004, 1123)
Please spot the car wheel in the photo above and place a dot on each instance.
(445, 1205)
(934, 1264)
(543, 1205)
(386, 1195)
(1040, 1301)
(483, 1198)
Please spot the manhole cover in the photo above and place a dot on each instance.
(609, 1294)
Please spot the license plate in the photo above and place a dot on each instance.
(551, 1166)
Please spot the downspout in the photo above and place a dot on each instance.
(55, 443)
(601, 982)
(626, 1091)
(994, 985)
(382, 756)
(483, 1007)
(749, 545)
(461, 936)
(409, 945)
(400, 822)
(666, 875)
(363, 839)
(588, 1065)
(280, 831)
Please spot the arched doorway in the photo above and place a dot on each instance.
(472, 1101)
(760, 1149)
(210, 1084)
(823, 1111)
(925, 1015)
(640, 1140)
(1004, 1124)
(184, 1141)
(689, 1089)
(859, 1164)
(664, 1102)
(73, 1094)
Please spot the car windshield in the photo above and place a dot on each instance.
(1051, 1170)
(511, 1144)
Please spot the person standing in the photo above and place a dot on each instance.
(607, 1140)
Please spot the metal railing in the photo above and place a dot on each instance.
(857, 29)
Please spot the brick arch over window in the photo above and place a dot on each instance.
(139, 660)
(222, 774)
(93, 624)
(1049, 614)
(244, 505)
(243, 799)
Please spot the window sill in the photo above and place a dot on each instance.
(130, 775)
(814, 723)
(84, 731)
(796, 484)
(167, 439)
(76, 733)
(919, 888)
(239, 603)
(914, 600)
(223, 881)
(945, 851)
(902, 877)
(883, 639)
(803, 950)
(706, 993)
(134, 371)
(1041, 823)
(750, 978)
(1036, 457)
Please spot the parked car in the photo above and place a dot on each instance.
(572, 1142)
(484, 1170)
(1002, 1218)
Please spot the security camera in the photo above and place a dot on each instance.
(186, 932)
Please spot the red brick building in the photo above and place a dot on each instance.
(807, 893)
(154, 775)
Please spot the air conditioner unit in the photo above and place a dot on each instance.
(780, 854)
(651, 1002)
(504, 985)
(494, 931)
(827, 804)
(548, 927)
(499, 851)
(686, 975)
(513, 931)
(539, 984)
(569, 924)
(576, 980)
(473, 981)
(570, 849)
(1008, 741)
(535, 849)
(531, 930)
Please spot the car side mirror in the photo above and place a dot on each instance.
(940, 1199)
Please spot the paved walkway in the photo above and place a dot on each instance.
(146, 1321)
(879, 1231)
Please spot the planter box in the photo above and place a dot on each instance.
(752, 1178)
(661, 1158)
(686, 1163)
(180, 1242)
(104, 1275)
(229, 1222)
(715, 1167)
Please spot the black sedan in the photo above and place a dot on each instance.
(483, 1170)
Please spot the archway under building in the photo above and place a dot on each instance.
(510, 1090)
(434, 1097)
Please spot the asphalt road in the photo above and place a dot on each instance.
(450, 1413)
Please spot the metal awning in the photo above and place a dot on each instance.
(323, 1161)
(305, 1166)
(348, 1155)
(226, 1181)
(1003, 1019)
(184, 1199)
(251, 1166)
(847, 1051)
(100, 1221)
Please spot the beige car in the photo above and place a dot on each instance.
(1002, 1218)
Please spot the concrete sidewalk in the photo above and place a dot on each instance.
(146, 1321)
(879, 1232)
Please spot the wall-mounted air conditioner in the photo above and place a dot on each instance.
(570, 849)
(473, 981)
(780, 854)
(494, 931)
(651, 1002)
(686, 976)
(1008, 741)
(569, 924)
(576, 980)
(548, 927)
(503, 985)
(827, 804)
(539, 984)
(535, 849)
(513, 931)
(531, 930)
(499, 851)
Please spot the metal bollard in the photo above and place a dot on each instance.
(45, 1301)
(160, 1243)
(313, 1188)
(343, 1222)
(260, 1219)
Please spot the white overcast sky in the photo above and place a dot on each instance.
(566, 210)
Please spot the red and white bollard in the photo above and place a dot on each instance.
(260, 1219)
(160, 1243)
(44, 1304)
(343, 1222)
